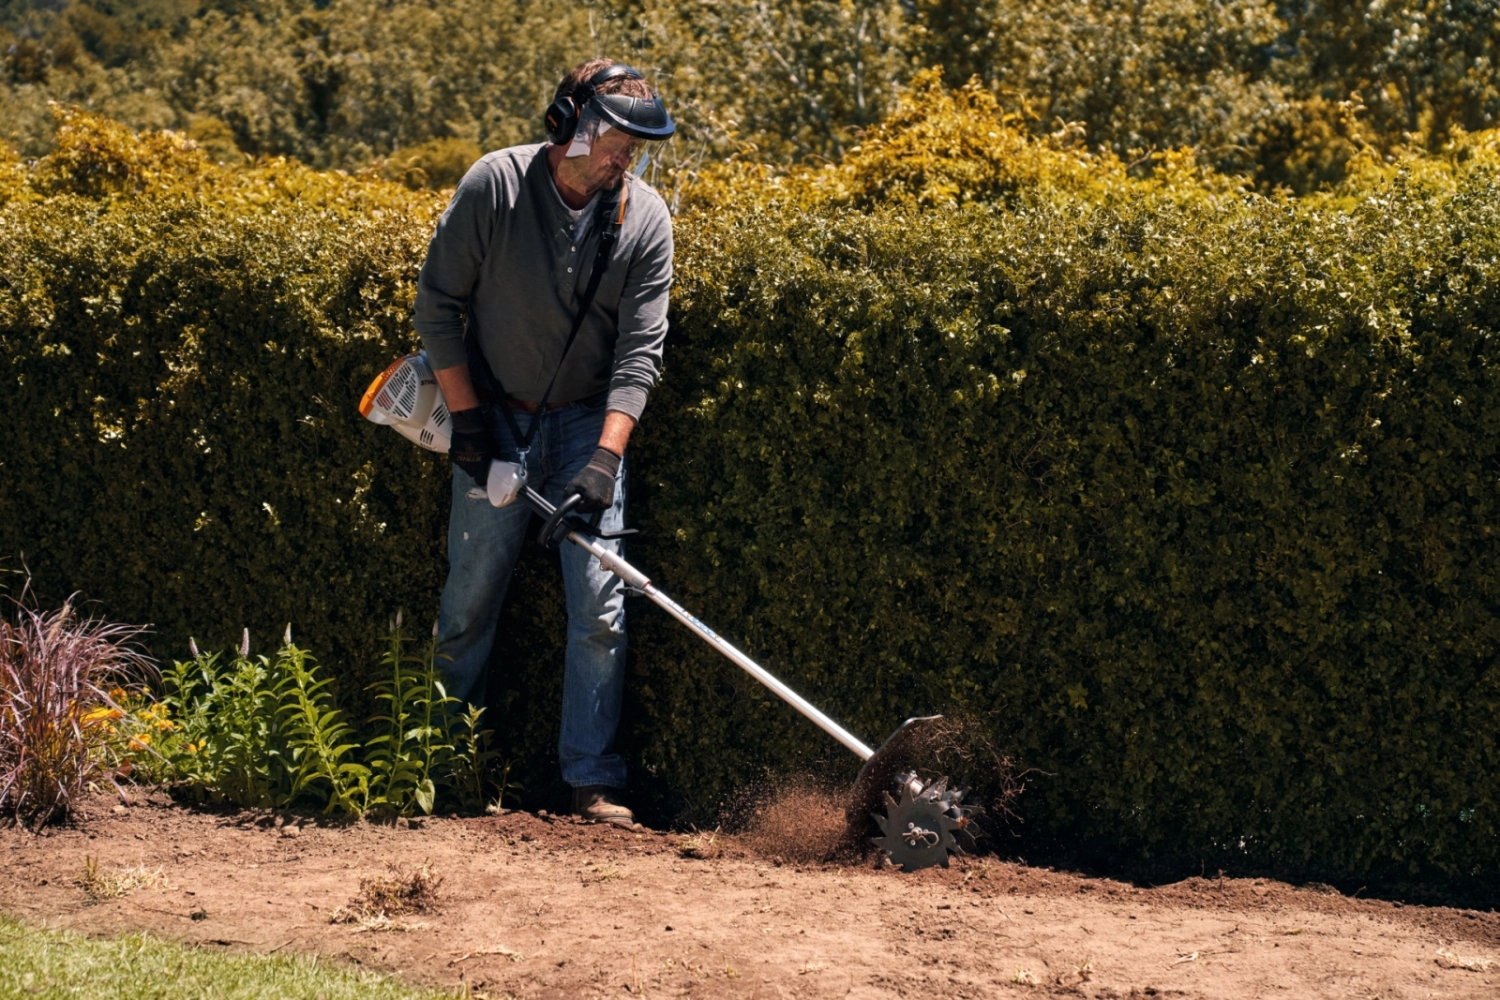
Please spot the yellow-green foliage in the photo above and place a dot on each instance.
(440, 163)
(947, 148)
(97, 158)
(1262, 88)
(1189, 492)
(183, 347)
(12, 174)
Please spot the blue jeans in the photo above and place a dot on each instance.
(483, 545)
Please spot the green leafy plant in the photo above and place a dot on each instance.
(469, 763)
(413, 745)
(225, 745)
(190, 757)
(245, 724)
(319, 742)
(260, 731)
(267, 731)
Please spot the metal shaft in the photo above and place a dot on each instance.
(635, 578)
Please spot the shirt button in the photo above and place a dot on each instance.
(570, 270)
(573, 249)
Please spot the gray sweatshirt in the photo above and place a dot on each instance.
(504, 260)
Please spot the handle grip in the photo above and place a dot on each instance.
(554, 531)
(560, 520)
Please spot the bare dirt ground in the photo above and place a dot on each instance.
(539, 907)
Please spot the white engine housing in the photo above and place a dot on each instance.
(406, 397)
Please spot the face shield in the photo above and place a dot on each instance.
(622, 131)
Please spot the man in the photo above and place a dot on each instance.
(508, 271)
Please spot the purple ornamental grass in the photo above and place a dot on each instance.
(56, 715)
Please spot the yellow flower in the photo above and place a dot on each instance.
(139, 742)
(117, 693)
(102, 715)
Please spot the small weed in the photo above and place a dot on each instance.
(112, 885)
(601, 873)
(499, 949)
(1450, 960)
(400, 891)
(1023, 977)
(380, 923)
(501, 780)
(700, 844)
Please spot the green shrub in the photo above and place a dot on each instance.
(439, 163)
(1194, 497)
(184, 343)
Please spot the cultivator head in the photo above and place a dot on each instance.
(922, 822)
(918, 827)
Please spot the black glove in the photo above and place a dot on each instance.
(595, 482)
(472, 445)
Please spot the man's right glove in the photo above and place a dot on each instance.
(595, 482)
(472, 445)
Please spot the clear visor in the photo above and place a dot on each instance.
(598, 137)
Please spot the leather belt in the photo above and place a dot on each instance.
(527, 406)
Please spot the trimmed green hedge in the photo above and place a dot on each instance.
(182, 345)
(1198, 505)
(1190, 494)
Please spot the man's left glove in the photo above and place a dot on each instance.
(595, 482)
(472, 444)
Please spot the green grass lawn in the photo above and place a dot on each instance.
(46, 963)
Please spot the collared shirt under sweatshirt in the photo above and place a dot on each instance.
(504, 260)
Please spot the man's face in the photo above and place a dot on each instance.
(610, 156)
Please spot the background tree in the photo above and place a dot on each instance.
(1283, 92)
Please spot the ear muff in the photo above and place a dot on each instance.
(561, 120)
(562, 114)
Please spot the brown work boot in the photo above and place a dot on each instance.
(600, 804)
